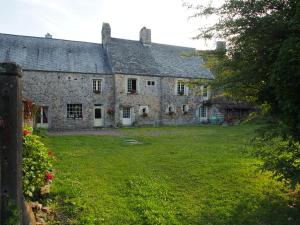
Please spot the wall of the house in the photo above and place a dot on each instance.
(158, 98)
(57, 89)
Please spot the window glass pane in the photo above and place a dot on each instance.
(202, 111)
(98, 113)
(180, 88)
(38, 116)
(126, 113)
(45, 114)
(74, 111)
(97, 85)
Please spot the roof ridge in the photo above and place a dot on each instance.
(43, 38)
(123, 39)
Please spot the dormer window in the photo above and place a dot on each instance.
(97, 86)
(131, 86)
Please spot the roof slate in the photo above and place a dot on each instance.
(132, 57)
(34, 53)
(119, 56)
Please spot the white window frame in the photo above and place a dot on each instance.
(97, 85)
(203, 110)
(129, 86)
(181, 87)
(41, 122)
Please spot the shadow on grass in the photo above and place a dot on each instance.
(271, 210)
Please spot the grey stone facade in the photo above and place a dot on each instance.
(151, 70)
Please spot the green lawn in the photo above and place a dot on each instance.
(175, 175)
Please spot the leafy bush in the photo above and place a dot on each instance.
(281, 157)
(37, 164)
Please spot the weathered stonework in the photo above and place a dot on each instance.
(56, 90)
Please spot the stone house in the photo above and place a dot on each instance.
(80, 85)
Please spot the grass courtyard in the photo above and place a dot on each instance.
(171, 175)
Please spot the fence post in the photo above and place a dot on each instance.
(11, 196)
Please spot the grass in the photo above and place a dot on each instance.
(172, 175)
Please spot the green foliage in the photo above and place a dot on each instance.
(282, 157)
(261, 65)
(187, 175)
(36, 163)
(12, 212)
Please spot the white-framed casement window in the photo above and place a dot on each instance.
(74, 111)
(97, 86)
(180, 87)
(42, 117)
(131, 86)
(203, 112)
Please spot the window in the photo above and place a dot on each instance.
(180, 88)
(42, 115)
(203, 111)
(185, 109)
(126, 113)
(143, 110)
(131, 86)
(150, 83)
(74, 111)
(204, 91)
(97, 86)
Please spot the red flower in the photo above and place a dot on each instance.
(26, 132)
(49, 176)
(51, 153)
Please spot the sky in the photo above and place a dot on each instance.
(81, 20)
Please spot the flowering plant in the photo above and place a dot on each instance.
(49, 176)
(37, 164)
(110, 111)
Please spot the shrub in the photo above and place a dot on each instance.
(279, 156)
(37, 164)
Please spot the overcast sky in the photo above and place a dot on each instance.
(81, 20)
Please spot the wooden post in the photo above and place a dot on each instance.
(11, 196)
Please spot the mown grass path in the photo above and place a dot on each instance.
(172, 175)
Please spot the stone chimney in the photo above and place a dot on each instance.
(106, 33)
(221, 45)
(48, 35)
(145, 36)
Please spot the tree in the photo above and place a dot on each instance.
(262, 66)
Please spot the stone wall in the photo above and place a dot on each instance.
(57, 89)
(158, 98)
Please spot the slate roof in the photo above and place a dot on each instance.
(132, 57)
(121, 56)
(34, 53)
